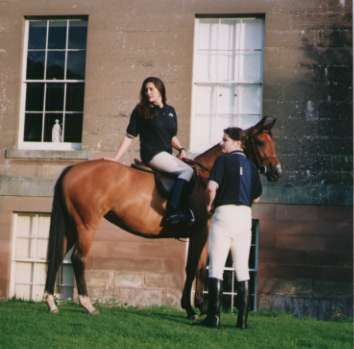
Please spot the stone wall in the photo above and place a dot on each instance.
(306, 260)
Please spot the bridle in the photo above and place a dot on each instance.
(251, 150)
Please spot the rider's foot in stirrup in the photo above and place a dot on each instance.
(180, 217)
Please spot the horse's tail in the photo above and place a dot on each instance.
(57, 230)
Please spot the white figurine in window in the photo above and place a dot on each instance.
(56, 131)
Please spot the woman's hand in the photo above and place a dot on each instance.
(182, 154)
(110, 159)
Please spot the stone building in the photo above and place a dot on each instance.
(224, 63)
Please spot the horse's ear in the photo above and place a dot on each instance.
(266, 123)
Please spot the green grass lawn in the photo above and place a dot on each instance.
(29, 325)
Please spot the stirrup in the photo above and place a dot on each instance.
(180, 217)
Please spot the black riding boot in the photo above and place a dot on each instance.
(243, 305)
(175, 214)
(214, 301)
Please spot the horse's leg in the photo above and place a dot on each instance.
(48, 296)
(196, 246)
(200, 281)
(79, 259)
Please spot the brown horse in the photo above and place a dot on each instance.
(88, 191)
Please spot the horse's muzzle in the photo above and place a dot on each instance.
(273, 173)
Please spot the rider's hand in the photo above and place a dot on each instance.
(210, 209)
(182, 154)
(110, 159)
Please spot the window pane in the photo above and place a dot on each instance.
(68, 276)
(37, 33)
(201, 138)
(226, 99)
(35, 65)
(73, 128)
(249, 99)
(77, 34)
(43, 226)
(57, 34)
(250, 35)
(41, 249)
(76, 65)
(248, 67)
(207, 34)
(252, 258)
(227, 34)
(206, 69)
(33, 127)
(23, 225)
(55, 96)
(75, 97)
(249, 120)
(34, 96)
(23, 273)
(205, 97)
(49, 123)
(22, 248)
(55, 65)
(225, 66)
(219, 123)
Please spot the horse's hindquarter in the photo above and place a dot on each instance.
(97, 187)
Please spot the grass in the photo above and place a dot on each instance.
(29, 325)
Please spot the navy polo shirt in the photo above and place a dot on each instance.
(156, 133)
(238, 180)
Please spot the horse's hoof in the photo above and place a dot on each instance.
(193, 317)
(54, 311)
(50, 301)
(94, 312)
(85, 302)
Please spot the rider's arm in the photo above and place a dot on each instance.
(176, 144)
(211, 193)
(123, 147)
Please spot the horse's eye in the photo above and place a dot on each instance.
(259, 142)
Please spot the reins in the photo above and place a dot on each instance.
(195, 163)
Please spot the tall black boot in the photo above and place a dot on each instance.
(243, 305)
(214, 302)
(175, 214)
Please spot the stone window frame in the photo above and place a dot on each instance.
(49, 146)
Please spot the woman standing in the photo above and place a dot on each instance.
(233, 186)
(155, 122)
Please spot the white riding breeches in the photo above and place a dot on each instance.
(230, 228)
(167, 162)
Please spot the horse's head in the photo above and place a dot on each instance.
(260, 148)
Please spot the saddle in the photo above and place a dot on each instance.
(164, 181)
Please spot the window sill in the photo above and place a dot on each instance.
(26, 154)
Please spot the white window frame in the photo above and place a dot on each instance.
(43, 145)
(67, 261)
(195, 126)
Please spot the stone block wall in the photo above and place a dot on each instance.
(306, 260)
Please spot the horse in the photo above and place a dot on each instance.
(88, 191)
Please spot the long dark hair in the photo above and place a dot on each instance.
(144, 104)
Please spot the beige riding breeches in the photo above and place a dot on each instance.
(168, 163)
(230, 229)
